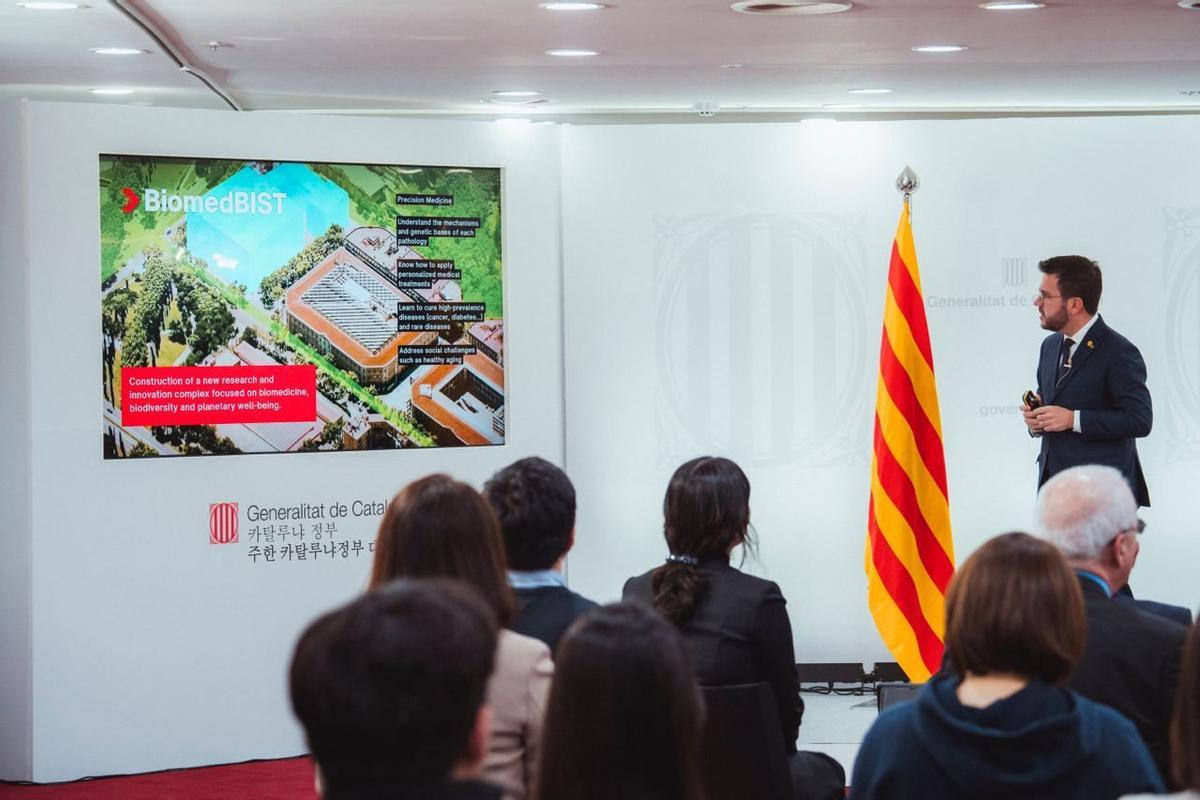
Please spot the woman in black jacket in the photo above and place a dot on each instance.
(737, 624)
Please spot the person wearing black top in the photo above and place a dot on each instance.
(390, 691)
(535, 503)
(736, 624)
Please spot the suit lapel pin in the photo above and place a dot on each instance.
(1091, 345)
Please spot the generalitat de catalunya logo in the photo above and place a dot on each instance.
(223, 523)
(234, 201)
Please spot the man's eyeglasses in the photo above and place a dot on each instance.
(1138, 526)
(1043, 296)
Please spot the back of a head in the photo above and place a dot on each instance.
(1014, 606)
(1081, 509)
(1185, 726)
(535, 503)
(624, 716)
(1078, 276)
(706, 512)
(440, 527)
(388, 687)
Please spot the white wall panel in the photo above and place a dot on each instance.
(724, 293)
(151, 647)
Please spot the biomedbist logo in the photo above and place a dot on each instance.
(232, 202)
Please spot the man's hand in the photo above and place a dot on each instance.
(1052, 419)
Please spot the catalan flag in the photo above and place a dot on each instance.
(909, 553)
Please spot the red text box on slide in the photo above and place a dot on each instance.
(218, 395)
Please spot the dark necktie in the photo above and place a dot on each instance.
(1064, 358)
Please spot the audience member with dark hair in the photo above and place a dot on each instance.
(737, 624)
(390, 691)
(1185, 726)
(1007, 727)
(439, 527)
(535, 503)
(1131, 661)
(624, 717)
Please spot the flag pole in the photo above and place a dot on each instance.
(909, 547)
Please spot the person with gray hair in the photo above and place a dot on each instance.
(1131, 660)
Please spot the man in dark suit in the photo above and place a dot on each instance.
(1091, 380)
(535, 502)
(1131, 661)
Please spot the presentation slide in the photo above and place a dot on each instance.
(276, 306)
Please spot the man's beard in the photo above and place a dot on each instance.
(1055, 323)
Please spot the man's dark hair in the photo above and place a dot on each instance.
(535, 502)
(1077, 277)
(388, 687)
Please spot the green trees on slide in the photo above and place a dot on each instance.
(206, 322)
(112, 324)
(275, 284)
(144, 320)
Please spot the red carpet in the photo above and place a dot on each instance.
(283, 779)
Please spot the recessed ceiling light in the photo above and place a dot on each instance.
(869, 91)
(1194, 5)
(939, 48)
(790, 7)
(731, 66)
(112, 90)
(52, 6)
(523, 102)
(1010, 5)
(568, 52)
(119, 51)
(515, 93)
(842, 106)
(1190, 92)
(572, 6)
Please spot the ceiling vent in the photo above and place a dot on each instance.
(789, 7)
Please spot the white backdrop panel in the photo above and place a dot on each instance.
(151, 647)
(724, 292)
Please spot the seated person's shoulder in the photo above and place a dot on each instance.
(639, 588)
(1161, 628)
(752, 585)
(524, 653)
(581, 603)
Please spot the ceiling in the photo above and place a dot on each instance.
(659, 58)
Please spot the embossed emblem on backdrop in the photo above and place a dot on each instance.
(760, 341)
(1181, 283)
